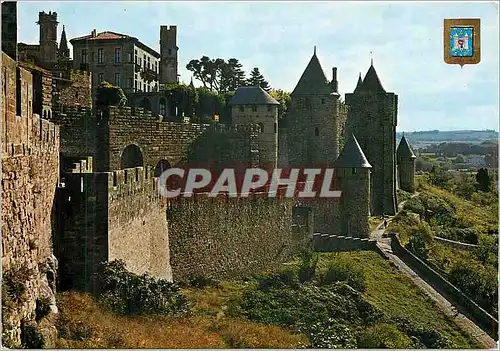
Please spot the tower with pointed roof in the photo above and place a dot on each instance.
(63, 45)
(253, 105)
(353, 170)
(406, 166)
(314, 120)
(372, 117)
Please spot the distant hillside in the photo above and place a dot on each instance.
(424, 138)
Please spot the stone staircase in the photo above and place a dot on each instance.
(335, 243)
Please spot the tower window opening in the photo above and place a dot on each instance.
(316, 131)
(323, 101)
(354, 171)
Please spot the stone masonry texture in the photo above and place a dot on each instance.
(30, 171)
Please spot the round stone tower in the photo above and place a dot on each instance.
(353, 170)
(406, 166)
(253, 105)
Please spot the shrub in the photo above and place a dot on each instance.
(307, 266)
(420, 236)
(126, 293)
(108, 94)
(31, 337)
(414, 205)
(338, 271)
(277, 280)
(15, 281)
(329, 334)
(201, 282)
(42, 308)
(383, 336)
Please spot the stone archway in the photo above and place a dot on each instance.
(161, 166)
(132, 157)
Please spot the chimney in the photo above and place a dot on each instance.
(94, 33)
(335, 84)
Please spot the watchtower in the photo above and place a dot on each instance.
(353, 170)
(406, 166)
(168, 55)
(313, 136)
(48, 37)
(372, 117)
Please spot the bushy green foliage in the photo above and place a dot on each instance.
(383, 336)
(487, 250)
(108, 94)
(422, 336)
(415, 205)
(276, 280)
(42, 308)
(419, 239)
(340, 271)
(329, 334)
(201, 282)
(307, 266)
(465, 235)
(480, 282)
(126, 293)
(31, 337)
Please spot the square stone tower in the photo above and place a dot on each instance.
(48, 37)
(168, 53)
(314, 123)
(372, 117)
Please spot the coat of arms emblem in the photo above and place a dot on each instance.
(461, 41)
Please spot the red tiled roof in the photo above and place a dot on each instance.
(102, 36)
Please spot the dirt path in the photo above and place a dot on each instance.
(384, 243)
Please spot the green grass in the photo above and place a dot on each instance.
(397, 295)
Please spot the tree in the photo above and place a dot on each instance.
(283, 97)
(108, 94)
(483, 180)
(256, 78)
(207, 71)
(232, 76)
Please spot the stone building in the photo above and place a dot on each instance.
(118, 59)
(315, 118)
(406, 166)
(168, 51)
(372, 117)
(253, 105)
(354, 173)
(9, 28)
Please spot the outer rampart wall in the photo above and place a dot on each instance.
(30, 171)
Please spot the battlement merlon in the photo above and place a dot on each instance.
(167, 29)
(47, 17)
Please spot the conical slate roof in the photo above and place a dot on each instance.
(372, 82)
(360, 82)
(63, 45)
(404, 149)
(352, 156)
(253, 95)
(313, 80)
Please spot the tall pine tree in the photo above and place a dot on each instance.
(256, 78)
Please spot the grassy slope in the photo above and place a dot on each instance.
(396, 294)
(209, 327)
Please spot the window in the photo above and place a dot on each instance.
(322, 101)
(149, 62)
(254, 108)
(117, 55)
(100, 56)
(316, 131)
(84, 56)
(261, 127)
(170, 51)
(130, 83)
(135, 56)
(92, 56)
(354, 171)
(144, 59)
(117, 79)
(129, 58)
(275, 128)
(156, 66)
(135, 87)
(242, 108)
(163, 106)
(100, 77)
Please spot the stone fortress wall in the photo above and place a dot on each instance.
(30, 172)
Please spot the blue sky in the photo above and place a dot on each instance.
(406, 40)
